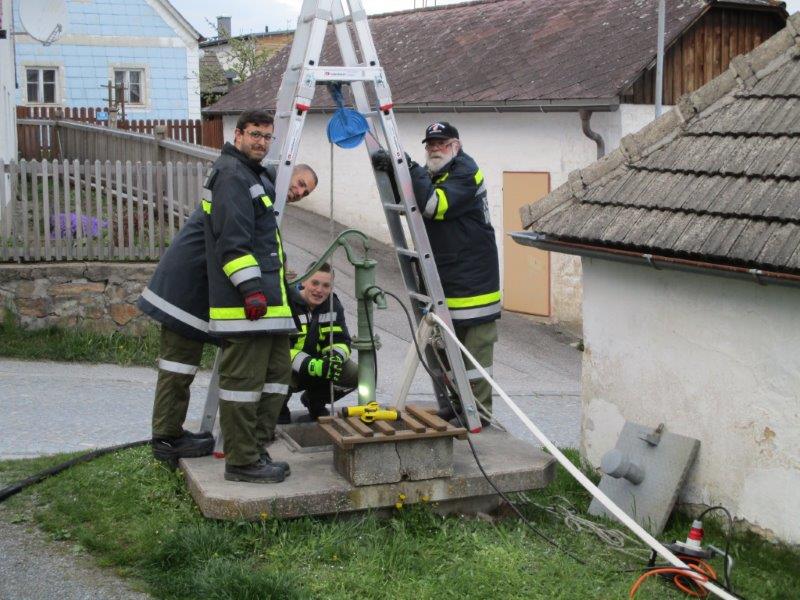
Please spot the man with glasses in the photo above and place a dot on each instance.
(178, 297)
(451, 193)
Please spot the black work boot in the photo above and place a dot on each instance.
(287, 470)
(170, 450)
(285, 416)
(257, 472)
(200, 435)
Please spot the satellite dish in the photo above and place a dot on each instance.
(43, 20)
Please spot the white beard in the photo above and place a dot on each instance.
(435, 164)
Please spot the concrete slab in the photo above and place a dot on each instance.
(660, 468)
(315, 488)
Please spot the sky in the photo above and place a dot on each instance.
(253, 15)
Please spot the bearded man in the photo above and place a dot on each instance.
(451, 193)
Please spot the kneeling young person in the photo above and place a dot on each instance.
(320, 352)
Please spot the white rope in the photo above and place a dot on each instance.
(331, 226)
(576, 473)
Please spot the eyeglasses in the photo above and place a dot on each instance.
(438, 144)
(257, 135)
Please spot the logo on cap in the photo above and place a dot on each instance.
(435, 128)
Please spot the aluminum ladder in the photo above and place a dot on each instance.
(295, 95)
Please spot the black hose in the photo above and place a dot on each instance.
(16, 488)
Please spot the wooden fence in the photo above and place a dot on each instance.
(182, 130)
(92, 210)
(41, 139)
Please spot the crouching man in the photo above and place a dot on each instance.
(320, 352)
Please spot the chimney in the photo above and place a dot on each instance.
(224, 26)
(266, 28)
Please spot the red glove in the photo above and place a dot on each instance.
(255, 306)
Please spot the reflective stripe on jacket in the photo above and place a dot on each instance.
(453, 202)
(177, 294)
(316, 326)
(243, 248)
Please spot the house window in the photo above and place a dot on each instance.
(41, 85)
(132, 81)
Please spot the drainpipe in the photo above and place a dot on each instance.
(586, 116)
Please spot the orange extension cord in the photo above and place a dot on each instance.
(684, 580)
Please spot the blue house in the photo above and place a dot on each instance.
(144, 44)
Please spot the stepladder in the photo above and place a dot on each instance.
(372, 98)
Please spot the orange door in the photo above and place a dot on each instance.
(526, 270)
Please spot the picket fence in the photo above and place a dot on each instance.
(67, 210)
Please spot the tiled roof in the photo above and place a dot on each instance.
(716, 179)
(503, 51)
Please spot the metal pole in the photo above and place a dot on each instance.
(662, 10)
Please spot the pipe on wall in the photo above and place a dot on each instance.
(586, 117)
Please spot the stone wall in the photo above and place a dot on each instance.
(98, 296)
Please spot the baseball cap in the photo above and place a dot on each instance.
(441, 130)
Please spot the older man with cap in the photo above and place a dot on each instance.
(451, 193)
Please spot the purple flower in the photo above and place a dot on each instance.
(90, 226)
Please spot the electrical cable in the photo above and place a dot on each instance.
(681, 572)
(17, 487)
(728, 585)
(443, 390)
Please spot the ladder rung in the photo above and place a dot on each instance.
(421, 297)
(407, 252)
(395, 207)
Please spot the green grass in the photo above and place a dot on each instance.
(82, 345)
(136, 516)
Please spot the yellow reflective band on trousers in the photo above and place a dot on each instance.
(237, 312)
(248, 260)
(441, 206)
(478, 177)
(206, 206)
(473, 301)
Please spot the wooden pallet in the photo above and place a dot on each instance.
(415, 423)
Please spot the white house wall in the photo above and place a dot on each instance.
(499, 142)
(712, 358)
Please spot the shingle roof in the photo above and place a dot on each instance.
(716, 179)
(503, 51)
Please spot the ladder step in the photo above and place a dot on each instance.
(421, 297)
(398, 208)
(407, 252)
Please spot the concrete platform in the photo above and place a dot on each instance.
(315, 488)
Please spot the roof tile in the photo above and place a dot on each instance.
(723, 187)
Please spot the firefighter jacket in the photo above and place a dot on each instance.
(453, 202)
(314, 338)
(177, 295)
(244, 253)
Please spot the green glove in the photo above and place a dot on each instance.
(329, 367)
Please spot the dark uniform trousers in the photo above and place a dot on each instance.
(179, 359)
(254, 377)
(479, 340)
